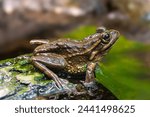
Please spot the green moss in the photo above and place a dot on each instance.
(23, 62)
(10, 61)
(23, 90)
(18, 75)
(22, 70)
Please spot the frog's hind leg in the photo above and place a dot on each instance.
(41, 62)
(50, 60)
(49, 73)
(90, 74)
(39, 42)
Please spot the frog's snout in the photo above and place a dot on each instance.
(115, 34)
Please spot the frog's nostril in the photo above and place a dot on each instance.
(118, 34)
(114, 32)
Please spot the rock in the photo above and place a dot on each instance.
(19, 80)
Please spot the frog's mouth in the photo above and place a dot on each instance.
(114, 37)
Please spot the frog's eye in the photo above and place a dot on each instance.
(105, 37)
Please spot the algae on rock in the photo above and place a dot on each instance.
(19, 79)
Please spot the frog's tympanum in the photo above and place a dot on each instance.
(72, 56)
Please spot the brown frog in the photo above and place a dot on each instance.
(72, 56)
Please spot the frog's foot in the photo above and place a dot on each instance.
(65, 85)
(90, 86)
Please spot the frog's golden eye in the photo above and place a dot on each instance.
(105, 37)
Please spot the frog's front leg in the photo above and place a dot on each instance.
(90, 77)
(90, 72)
(45, 60)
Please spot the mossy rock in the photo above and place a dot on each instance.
(19, 80)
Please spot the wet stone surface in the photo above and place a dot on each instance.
(19, 80)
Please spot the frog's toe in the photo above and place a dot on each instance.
(90, 86)
(64, 85)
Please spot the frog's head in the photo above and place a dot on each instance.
(108, 38)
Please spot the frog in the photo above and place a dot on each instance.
(72, 56)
